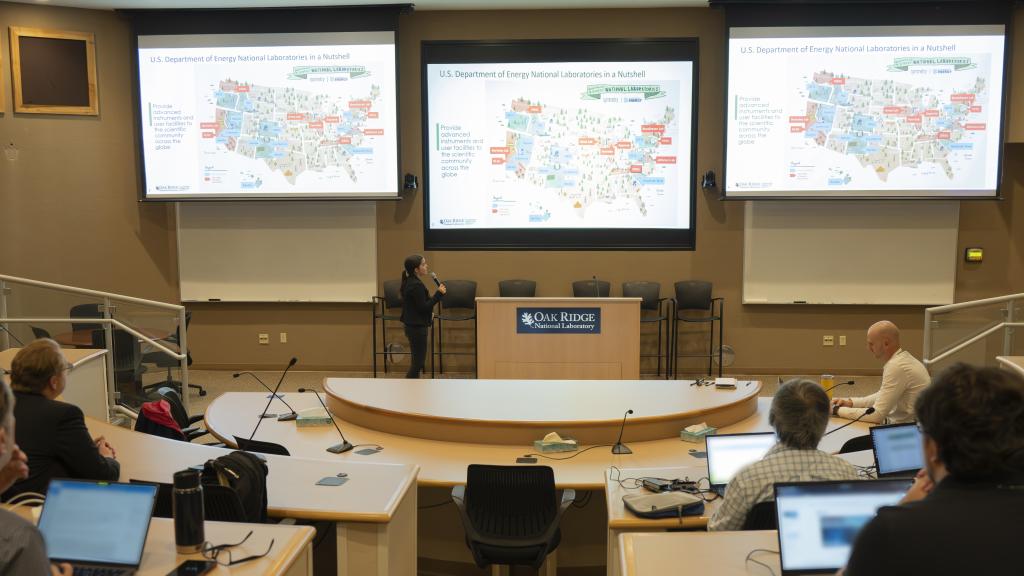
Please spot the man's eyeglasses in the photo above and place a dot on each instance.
(217, 553)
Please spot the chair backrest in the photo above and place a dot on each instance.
(164, 506)
(586, 289)
(856, 444)
(261, 447)
(649, 291)
(126, 351)
(693, 295)
(85, 311)
(222, 504)
(761, 517)
(461, 294)
(39, 332)
(392, 293)
(511, 501)
(517, 288)
(177, 406)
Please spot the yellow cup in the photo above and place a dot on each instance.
(827, 382)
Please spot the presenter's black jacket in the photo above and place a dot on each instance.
(417, 304)
(58, 445)
(959, 528)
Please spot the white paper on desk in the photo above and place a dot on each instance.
(725, 382)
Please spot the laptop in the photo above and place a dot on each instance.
(728, 453)
(898, 450)
(818, 521)
(97, 527)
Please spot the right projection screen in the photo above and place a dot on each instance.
(864, 112)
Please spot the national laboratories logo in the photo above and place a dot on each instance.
(558, 320)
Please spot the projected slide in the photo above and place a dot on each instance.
(285, 115)
(888, 111)
(567, 145)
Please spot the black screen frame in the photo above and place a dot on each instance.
(560, 50)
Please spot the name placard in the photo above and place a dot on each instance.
(558, 320)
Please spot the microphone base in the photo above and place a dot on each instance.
(287, 417)
(621, 448)
(268, 415)
(340, 448)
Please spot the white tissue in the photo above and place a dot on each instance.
(696, 428)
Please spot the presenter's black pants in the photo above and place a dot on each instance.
(417, 336)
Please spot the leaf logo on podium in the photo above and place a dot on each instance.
(527, 319)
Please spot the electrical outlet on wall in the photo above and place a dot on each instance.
(264, 338)
(827, 340)
(842, 340)
(284, 338)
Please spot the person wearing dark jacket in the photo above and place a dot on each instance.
(417, 311)
(52, 433)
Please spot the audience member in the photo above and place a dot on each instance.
(53, 433)
(799, 414)
(963, 515)
(903, 379)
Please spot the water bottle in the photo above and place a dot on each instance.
(188, 512)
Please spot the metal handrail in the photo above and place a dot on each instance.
(1007, 326)
(95, 293)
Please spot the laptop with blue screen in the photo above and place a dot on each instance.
(97, 527)
(728, 453)
(818, 521)
(898, 451)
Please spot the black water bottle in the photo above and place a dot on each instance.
(188, 512)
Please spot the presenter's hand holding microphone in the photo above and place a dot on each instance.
(440, 286)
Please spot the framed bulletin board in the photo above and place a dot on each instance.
(54, 72)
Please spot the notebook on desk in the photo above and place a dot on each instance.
(97, 527)
(898, 450)
(728, 453)
(818, 521)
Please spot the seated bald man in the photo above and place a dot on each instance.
(903, 380)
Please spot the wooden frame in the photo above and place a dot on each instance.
(75, 92)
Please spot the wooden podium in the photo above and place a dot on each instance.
(504, 351)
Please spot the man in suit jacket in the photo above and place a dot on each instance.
(52, 433)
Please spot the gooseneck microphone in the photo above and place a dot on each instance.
(619, 447)
(834, 386)
(345, 445)
(282, 417)
(597, 291)
(870, 410)
(273, 394)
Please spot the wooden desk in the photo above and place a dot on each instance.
(697, 553)
(87, 380)
(375, 510)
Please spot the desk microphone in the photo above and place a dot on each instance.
(870, 410)
(345, 445)
(597, 293)
(436, 281)
(281, 417)
(847, 383)
(273, 394)
(619, 447)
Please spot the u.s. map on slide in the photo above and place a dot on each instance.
(886, 125)
(286, 131)
(599, 164)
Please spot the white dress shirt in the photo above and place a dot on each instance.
(903, 380)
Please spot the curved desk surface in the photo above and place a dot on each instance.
(521, 411)
(443, 463)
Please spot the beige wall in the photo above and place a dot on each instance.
(70, 215)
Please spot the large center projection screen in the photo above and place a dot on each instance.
(879, 112)
(261, 116)
(576, 154)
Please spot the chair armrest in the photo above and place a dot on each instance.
(568, 497)
(193, 432)
(194, 419)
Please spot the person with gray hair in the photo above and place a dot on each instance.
(799, 415)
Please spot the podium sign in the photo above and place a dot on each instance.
(562, 320)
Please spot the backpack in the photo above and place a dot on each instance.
(246, 474)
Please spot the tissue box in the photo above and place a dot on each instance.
(567, 445)
(313, 417)
(696, 437)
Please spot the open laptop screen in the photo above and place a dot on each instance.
(818, 521)
(897, 449)
(727, 453)
(96, 522)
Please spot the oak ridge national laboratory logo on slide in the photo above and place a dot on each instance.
(530, 320)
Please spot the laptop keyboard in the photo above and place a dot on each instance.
(101, 571)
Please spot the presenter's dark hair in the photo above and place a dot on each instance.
(799, 414)
(976, 417)
(411, 264)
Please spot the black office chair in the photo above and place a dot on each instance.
(856, 444)
(386, 308)
(128, 368)
(761, 516)
(85, 311)
(591, 289)
(185, 422)
(511, 514)
(38, 332)
(517, 288)
(162, 360)
(164, 505)
(458, 305)
(653, 308)
(261, 447)
(694, 296)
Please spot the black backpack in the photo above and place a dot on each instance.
(246, 474)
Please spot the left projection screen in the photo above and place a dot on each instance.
(268, 116)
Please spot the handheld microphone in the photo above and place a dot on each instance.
(345, 445)
(619, 447)
(273, 394)
(597, 288)
(847, 383)
(11, 334)
(870, 410)
(280, 417)
(436, 281)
